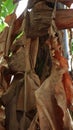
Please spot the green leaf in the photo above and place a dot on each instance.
(2, 26)
(72, 47)
(7, 8)
(18, 36)
(0, 5)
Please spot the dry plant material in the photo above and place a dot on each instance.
(31, 3)
(40, 94)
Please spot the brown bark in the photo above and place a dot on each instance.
(31, 3)
(66, 2)
(64, 18)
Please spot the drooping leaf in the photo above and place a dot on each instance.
(51, 101)
(67, 81)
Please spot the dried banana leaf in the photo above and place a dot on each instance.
(39, 19)
(34, 51)
(19, 61)
(51, 103)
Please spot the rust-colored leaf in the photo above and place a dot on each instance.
(67, 82)
(8, 18)
(16, 27)
(63, 61)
